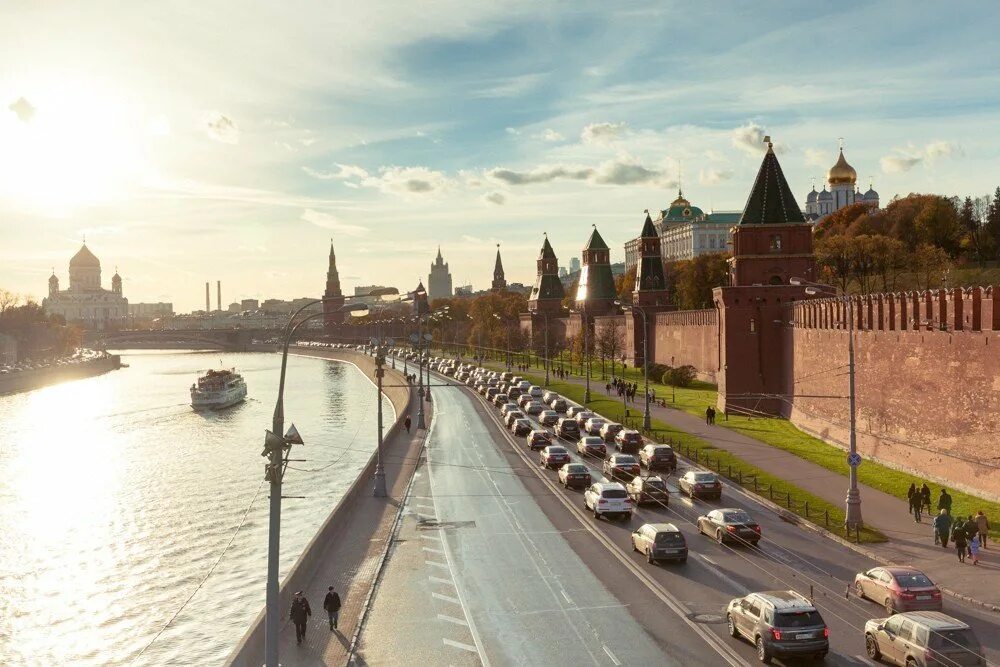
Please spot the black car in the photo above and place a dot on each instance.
(698, 484)
(521, 427)
(574, 476)
(658, 457)
(780, 624)
(566, 427)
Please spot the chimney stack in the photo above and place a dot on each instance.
(208, 300)
(218, 294)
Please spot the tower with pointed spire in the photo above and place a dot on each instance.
(650, 283)
(595, 292)
(548, 292)
(499, 281)
(439, 279)
(333, 298)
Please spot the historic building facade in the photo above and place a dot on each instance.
(86, 302)
(439, 279)
(333, 298)
(499, 281)
(842, 180)
(687, 231)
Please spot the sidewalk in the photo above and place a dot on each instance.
(909, 542)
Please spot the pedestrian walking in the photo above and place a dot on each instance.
(910, 492)
(711, 415)
(332, 605)
(942, 525)
(407, 422)
(300, 614)
(925, 496)
(982, 527)
(944, 502)
(915, 504)
(708, 416)
(974, 549)
(961, 543)
(971, 530)
(607, 389)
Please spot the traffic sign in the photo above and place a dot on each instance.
(854, 460)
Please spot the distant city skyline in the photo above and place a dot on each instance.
(194, 156)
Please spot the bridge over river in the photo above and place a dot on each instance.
(208, 339)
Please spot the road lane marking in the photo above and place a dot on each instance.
(430, 537)
(452, 619)
(446, 598)
(439, 580)
(432, 551)
(717, 570)
(611, 655)
(706, 558)
(466, 647)
(566, 597)
(436, 564)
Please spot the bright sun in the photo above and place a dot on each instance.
(82, 144)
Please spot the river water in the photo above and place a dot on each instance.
(116, 500)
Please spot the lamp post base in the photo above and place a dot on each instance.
(420, 410)
(646, 422)
(379, 490)
(853, 519)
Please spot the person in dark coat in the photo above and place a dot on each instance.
(300, 613)
(925, 496)
(971, 530)
(961, 542)
(407, 422)
(944, 502)
(708, 415)
(332, 605)
(910, 492)
(915, 503)
(942, 525)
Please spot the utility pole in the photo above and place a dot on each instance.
(421, 424)
(379, 490)
(853, 519)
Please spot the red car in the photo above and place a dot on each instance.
(553, 456)
(628, 442)
(898, 588)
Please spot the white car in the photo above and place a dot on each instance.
(549, 396)
(548, 417)
(594, 425)
(536, 391)
(608, 498)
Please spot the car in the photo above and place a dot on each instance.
(621, 466)
(548, 417)
(558, 404)
(507, 408)
(700, 484)
(501, 399)
(524, 399)
(919, 638)
(779, 623)
(591, 446)
(648, 490)
(658, 457)
(593, 426)
(574, 475)
(534, 408)
(582, 417)
(536, 391)
(730, 525)
(507, 377)
(610, 430)
(574, 410)
(521, 427)
(523, 385)
(898, 588)
(567, 428)
(608, 498)
(549, 396)
(514, 393)
(553, 456)
(491, 392)
(628, 441)
(539, 439)
(511, 416)
(660, 541)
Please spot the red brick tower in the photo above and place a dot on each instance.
(333, 299)
(650, 295)
(548, 292)
(596, 292)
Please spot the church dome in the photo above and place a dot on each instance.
(825, 195)
(871, 195)
(85, 258)
(841, 172)
(53, 279)
(811, 197)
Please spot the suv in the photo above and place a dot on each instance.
(534, 408)
(648, 490)
(512, 416)
(628, 441)
(520, 427)
(549, 396)
(610, 430)
(608, 498)
(593, 426)
(539, 440)
(524, 399)
(658, 457)
(567, 428)
(553, 456)
(621, 466)
(779, 623)
(574, 410)
(548, 417)
(922, 638)
(660, 541)
(506, 408)
(558, 404)
(591, 446)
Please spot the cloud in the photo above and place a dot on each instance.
(713, 176)
(749, 138)
(512, 86)
(817, 158)
(23, 109)
(497, 198)
(222, 128)
(549, 135)
(619, 171)
(544, 174)
(625, 172)
(342, 172)
(512, 131)
(904, 159)
(407, 180)
(328, 221)
(603, 133)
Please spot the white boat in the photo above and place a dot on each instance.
(218, 389)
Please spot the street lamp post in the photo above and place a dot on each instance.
(546, 349)
(852, 520)
(586, 354)
(646, 422)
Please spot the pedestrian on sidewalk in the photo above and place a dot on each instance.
(942, 524)
(983, 527)
(711, 415)
(407, 422)
(961, 543)
(332, 605)
(607, 389)
(925, 495)
(300, 614)
(971, 530)
(974, 549)
(944, 502)
(915, 503)
(910, 492)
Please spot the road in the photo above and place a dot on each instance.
(534, 559)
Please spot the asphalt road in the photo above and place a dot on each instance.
(540, 580)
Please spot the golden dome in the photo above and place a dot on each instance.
(841, 172)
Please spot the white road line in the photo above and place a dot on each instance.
(425, 506)
(736, 586)
(566, 597)
(709, 560)
(430, 537)
(452, 619)
(432, 551)
(611, 655)
(439, 580)
(466, 647)
(436, 564)
(446, 598)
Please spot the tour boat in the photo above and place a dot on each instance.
(217, 390)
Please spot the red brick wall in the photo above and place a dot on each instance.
(687, 337)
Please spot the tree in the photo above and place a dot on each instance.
(835, 257)
(698, 277)
(609, 341)
(937, 224)
(993, 223)
(930, 264)
(625, 285)
(888, 260)
(680, 376)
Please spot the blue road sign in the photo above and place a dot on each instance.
(854, 460)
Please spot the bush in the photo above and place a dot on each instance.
(681, 376)
(657, 370)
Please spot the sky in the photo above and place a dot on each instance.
(193, 142)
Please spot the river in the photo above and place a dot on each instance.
(116, 500)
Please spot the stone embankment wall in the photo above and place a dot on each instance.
(42, 377)
(250, 651)
(927, 382)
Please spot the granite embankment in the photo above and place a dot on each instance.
(42, 377)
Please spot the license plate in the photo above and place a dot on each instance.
(804, 635)
(924, 597)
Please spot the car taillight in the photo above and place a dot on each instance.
(936, 594)
(907, 595)
(776, 633)
(757, 528)
(826, 632)
(731, 529)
